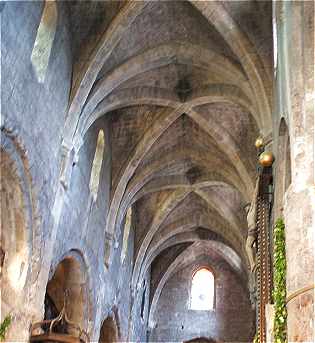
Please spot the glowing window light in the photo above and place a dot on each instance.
(44, 40)
(97, 164)
(126, 234)
(202, 291)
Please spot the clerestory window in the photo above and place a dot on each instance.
(44, 40)
(126, 234)
(97, 164)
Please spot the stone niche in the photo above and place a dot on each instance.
(16, 236)
(109, 331)
(14, 249)
(68, 286)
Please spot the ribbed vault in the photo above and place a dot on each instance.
(187, 89)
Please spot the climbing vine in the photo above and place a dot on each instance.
(4, 326)
(279, 291)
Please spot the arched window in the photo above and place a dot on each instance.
(44, 40)
(283, 170)
(144, 287)
(126, 234)
(97, 164)
(202, 290)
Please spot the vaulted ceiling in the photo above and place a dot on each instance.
(187, 86)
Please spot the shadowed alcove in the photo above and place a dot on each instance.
(16, 225)
(68, 286)
(14, 248)
(109, 331)
(201, 340)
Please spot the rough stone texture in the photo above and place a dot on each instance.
(164, 22)
(37, 122)
(248, 15)
(181, 90)
(27, 116)
(231, 321)
(34, 113)
(162, 262)
(270, 316)
(301, 317)
(128, 127)
(296, 101)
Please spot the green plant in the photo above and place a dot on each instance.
(279, 291)
(4, 326)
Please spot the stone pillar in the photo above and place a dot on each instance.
(270, 316)
(299, 202)
(299, 221)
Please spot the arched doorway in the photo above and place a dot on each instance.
(17, 224)
(109, 331)
(201, 340)
(68, 286)
(15, 243)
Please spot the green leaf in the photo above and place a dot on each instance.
(279, 291)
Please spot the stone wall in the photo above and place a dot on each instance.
(64, 222)
(139, 317)
(231, 321)
(295, 105)
(35, 113)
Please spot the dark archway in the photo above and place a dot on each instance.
(109, 331)
(201, 340)
(68, 284)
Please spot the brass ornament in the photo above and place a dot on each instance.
(266, 159)
(259, 143)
